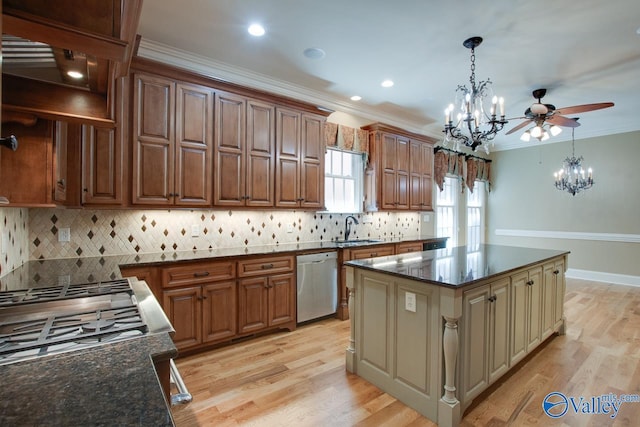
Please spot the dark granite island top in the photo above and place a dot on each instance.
(460, 266)
(112, 384)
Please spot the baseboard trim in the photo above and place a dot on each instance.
(570, 235)
(599, 276)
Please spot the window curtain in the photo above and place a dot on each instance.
(467, 167)
(346, 138)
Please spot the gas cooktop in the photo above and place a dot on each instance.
(24, 296)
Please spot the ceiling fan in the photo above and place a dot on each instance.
(540, 114)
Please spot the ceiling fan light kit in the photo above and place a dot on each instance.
(547, 119)
(474, 126)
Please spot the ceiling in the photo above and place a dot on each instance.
(582, 52)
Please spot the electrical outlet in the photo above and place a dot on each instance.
(426, 217)
(405, 225)
(5, 241)
(367, 219)
(64, 235)
(64, 280)
(410, 302)
(195, 230)
(289, 228)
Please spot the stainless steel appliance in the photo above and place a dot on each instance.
(317, 285)
(49, 320)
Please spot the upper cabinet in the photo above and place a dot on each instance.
(95, 37)
(244, 151)
(299, 159)
(399, 174)
(172, 142)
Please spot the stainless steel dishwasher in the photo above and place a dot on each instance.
(317, 285)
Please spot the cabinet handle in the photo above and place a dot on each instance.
(300, 199)
(61, 183)
(201, 274)
(556, 272)
(86, 190)
(204, 297)
(267, 266)
(374, 254)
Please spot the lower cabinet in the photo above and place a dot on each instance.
(200, 300)
(526, 312)
(267, 292)
(553, 288)
(486, 336)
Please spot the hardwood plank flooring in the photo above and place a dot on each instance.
(299, 378)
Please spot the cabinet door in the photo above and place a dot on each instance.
(282, 293)
(60, 178)
(535, 308)
(415, 176)
(312, 162)
(548, 299)
(402, 173)
(476, 345)
(558, 313)
(194, 144)
(219, 315)
(101, 167)
(287, 158)
(519, 301)
(426, 186)
(259, 154)
(229, 149)
(388, 172)
(183, 308)
(499, 329)
(253, 313)
(153, 140)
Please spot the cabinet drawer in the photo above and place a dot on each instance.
(198, 273)
(402, 248)
(372, 251)
(262, 266)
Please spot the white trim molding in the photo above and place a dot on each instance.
(571, 235)
(599, 276)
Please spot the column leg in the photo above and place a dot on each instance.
(449, 406)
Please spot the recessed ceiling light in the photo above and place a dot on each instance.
(75, 74)
(356, 98)
(314, 53)
(256, 30)
(387, 83)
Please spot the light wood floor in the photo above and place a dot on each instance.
(299, 378)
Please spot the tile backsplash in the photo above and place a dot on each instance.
(14, 240)
(116, 232)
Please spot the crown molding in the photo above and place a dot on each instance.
(165, 54)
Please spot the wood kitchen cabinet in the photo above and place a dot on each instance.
(102, 175)
(244, 152)
(299, 160)
(526, 312)
(399, 174)
(266, 294)
(200, 301)
(553, 289)
(173, 142)
(486, 331)
(406, 247)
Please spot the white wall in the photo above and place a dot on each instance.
(601, 227)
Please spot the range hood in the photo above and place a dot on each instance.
(42, 43)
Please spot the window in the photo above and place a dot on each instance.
(475, 215)
(446, 211)
(455, 211)
(343, 181)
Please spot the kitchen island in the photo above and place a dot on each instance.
(436, 328)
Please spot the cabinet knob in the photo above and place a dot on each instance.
(267, 266)
(530, 283)
(492, 298)
(556, 271)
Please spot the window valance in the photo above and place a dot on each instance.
(346, 138)
(468, 167)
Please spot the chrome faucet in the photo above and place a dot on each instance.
(347, 226)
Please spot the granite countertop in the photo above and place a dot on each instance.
(112, 384)
(62, 271)
(460, 266)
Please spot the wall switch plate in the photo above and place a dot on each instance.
(64, 280)
(426, 217)
(195, 230)
(64, 235)
(410, 301)
(367, 219)
(289, 228)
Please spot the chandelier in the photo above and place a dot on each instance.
(474, 126)
(572, 178)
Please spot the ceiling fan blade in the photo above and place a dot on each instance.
(584, 108)
(559, 120)
(520, 126)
